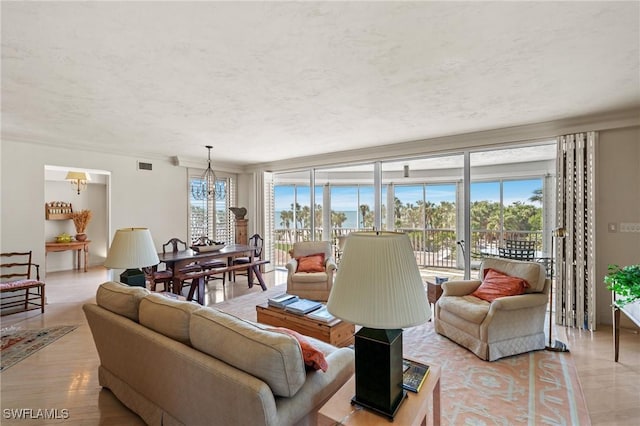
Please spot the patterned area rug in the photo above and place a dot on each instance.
(17, 344)
(536, 388)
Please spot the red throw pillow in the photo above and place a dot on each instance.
(496, 284)
(311, 263)
(312, 356)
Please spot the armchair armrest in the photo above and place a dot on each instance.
(460, 288)
(292, 265)
(330, 264)
(510, 303)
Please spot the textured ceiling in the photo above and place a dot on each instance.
(268, 81)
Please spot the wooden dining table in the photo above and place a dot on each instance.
(179, 260)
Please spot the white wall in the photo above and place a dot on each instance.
(617, 201)
(155, 199)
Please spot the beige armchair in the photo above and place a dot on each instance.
(506, 326)
(311, 285)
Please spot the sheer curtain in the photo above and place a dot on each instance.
(575, 253)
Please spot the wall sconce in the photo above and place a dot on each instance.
(78, 180)
(405, 171)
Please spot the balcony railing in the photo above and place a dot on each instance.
(436, 248)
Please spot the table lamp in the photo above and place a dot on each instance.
(131, 249)
(378, 286)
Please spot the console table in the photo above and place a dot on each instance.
(77, 246)
(632, 311)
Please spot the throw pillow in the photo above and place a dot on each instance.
(312, 356)
(311, 263)
(496, 284)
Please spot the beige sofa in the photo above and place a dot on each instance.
(176, 363)
(507, 326)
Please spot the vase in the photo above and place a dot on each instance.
(81, 237)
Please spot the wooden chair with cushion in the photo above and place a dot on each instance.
(213, 263)
(20, 292)
(165, 276)
(498, 315)
(310, 271)
(255, 241)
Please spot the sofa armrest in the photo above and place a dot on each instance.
(510, 303)
(460, 288)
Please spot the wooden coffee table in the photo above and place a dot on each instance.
(336, 332)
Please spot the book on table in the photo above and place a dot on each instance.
(302, 306)
(413, 374)
(282, 300)
(321, 314)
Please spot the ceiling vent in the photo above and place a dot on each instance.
(144, 166)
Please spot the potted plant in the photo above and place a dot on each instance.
(80, 221)
(624, 282)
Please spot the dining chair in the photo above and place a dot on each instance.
(213, 263)
(257, 242)
(166, 276)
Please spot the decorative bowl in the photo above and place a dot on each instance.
(63, 238)
(204, 249)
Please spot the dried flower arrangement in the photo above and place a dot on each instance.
(81, 220)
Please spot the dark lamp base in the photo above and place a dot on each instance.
(390, 416)
(557, 346)
(379, 370)
(133, 277)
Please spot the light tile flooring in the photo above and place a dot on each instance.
(64, 374)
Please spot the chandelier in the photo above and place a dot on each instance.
(208, 187)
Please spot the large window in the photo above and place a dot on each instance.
(211, 218)
(427, 198)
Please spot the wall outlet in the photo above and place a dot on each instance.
(630, 227)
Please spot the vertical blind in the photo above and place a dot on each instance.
(575, 253)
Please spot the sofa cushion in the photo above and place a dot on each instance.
(311, 263)
(468, 307)
(167, 316)
(533, 273)
(273, 357)
(120, 298)
(496, 284)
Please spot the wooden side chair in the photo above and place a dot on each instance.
(257, 242)
(19, 291)
(213, 263)
(165, 277)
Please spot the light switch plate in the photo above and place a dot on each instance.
(612, 227)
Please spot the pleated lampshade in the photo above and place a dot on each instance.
(378, 284)
(132, 248)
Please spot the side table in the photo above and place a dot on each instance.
(412, 411)
(434, 291)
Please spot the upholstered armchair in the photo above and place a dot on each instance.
(506, 326)
(310, 271)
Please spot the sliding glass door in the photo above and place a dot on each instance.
(503, 198)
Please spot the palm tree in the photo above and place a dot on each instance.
(537, 196)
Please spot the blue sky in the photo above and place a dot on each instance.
(345, 198)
